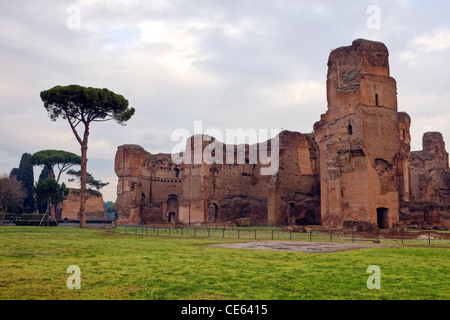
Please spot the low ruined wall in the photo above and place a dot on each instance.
(94, 206)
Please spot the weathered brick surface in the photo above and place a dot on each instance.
(356, 167)
(71, 207)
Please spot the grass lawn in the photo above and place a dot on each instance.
(34, 260)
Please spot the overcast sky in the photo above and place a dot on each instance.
(229, 63)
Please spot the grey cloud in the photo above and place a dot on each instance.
(245, 54)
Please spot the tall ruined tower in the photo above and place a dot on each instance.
(363, 140)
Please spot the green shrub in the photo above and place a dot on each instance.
(34, 220)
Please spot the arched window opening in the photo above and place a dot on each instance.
(212, 212)
(350, 130)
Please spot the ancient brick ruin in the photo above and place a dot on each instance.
(70, 207)
(355, 167)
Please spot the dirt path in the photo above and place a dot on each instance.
(110, 232)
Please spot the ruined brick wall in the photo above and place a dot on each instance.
(295, 189)
(428, 170)
(430, 184)
(131, 164)
(356, 166)
(403, 164)
(359, 138)
(71, 207)
(149, 185)
(219, 192)
(226, 192)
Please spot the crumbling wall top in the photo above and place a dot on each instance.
(362, 57)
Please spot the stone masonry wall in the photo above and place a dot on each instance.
(430, 181)
(71, 207)
(356, 166)
(358, 138)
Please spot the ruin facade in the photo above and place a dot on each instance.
(362, 138)
(355, 166)
(430, 184)
(152, 188)
(70, 207)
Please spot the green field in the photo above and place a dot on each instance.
(34, 260)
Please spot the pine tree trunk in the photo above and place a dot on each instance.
(83, 192)
(47, 212)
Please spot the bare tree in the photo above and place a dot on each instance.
(12, 194)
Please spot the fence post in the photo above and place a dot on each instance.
(255, 234)
(209, 232)
(310, 235)
(239, 233)
(353, 236)
(331, 236)
(272, 234)
(402, 236)
(429, 238)
(223, 232)
(290, 235)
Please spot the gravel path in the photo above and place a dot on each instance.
(297, 246)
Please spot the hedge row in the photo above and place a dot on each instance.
(33, 220)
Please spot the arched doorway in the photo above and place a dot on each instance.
(212, 212)
(383, 218)
(172, 208)
(291, 214)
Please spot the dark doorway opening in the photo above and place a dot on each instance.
(212, 212)
(383, 218)
(172, 208)
(291, 208)
(171, 217)
(291, 214)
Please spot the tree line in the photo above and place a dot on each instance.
(80, 107)
(20, 194)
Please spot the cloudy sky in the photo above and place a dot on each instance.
(229, 63)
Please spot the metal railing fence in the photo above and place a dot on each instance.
(263, 233)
